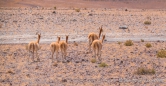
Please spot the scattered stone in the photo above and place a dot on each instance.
(123, 27)
(64, 80)
(55, 64)
(90, 14)
(54, 12)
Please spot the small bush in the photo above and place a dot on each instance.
(148, 45)
(77, 10)
(119, 43)
(142, 40)
(93, 60)
(128, 43)
(161, 54)
(55, 7)
(103, 65)
(147, 22)
(144, 71)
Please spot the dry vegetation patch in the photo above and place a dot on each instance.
(77, 9)
(142, 40)
(145, 71)
(147, 22)
(93, 60)
(148, 45)
(129, 43)
(161, 54)
(55, 8)
(103, 64)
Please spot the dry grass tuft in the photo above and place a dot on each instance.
(142, 40)
(148, 45)
(145, 71)
(103, 65)
(77, 10)
(93, 60)
(129, 43)
(55, 8)
(161, 54)
(147, 22)
(119, 43)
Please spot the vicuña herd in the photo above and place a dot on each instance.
(61, 46)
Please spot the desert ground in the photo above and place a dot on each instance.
(20, 20)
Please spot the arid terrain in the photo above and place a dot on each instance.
(136, 4)
(20, 20)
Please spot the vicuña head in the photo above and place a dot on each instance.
(92, 36)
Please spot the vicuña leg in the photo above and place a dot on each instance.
(52, 56)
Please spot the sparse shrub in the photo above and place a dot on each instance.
(148, 45)
(128, 43)
(144, 71)
(147, 22)
(93, 60)
(142, 40)
(161, 54)
(103, 65)
(119, 43)
(55, 7)
(77, 10)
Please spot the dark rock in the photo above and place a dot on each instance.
(123, 27)
(83, 59)
(74, 20)
(90, 14)
(64, 80)
(54, 12)
(77, 61)
(121, 62)
(68, 61)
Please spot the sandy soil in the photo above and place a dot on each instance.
(122, 62)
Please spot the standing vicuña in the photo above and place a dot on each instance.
(54, 46)
(63, 47)
(93, 36)
(97, 46)
(34, 46)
